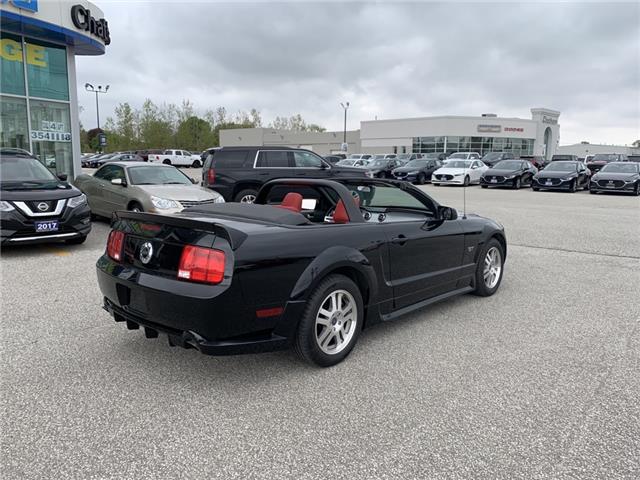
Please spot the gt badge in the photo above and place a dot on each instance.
(146, 252)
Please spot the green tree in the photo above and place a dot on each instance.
(194, 134)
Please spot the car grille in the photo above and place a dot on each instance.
(498, 179)
(444, 177)
(545, 181)
(193, 203)
(609, 183)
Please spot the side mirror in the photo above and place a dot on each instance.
(63, 177)
(447, 213)
(324, 166)
(118, 181)
(194, 181)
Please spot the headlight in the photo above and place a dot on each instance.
(5, 206)
(163, 203)
(219, 199)
(77, 201)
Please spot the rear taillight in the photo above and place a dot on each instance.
(114, 244)
(211, 176)
(204, 265)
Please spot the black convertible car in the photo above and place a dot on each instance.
(562, 175)
(509, 173)
(309, 265)
(617, 177)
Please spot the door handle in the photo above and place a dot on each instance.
(399, 240)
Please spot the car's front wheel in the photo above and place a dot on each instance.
(517, 183)
(490, 268)
(467, 181)
(331, 322)
(135, 207)
(422, 179)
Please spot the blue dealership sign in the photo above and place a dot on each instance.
(31, 5)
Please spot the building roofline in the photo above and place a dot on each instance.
(452, 117)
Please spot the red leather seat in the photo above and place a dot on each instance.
(292, 201)
(340, 214)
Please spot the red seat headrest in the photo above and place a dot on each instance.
(340, 214)
(292, 201)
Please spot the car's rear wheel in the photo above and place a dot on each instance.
(331, 322)
(246, 196)
(196, 164)
(490, 268)
(166, 161)
(76, 241)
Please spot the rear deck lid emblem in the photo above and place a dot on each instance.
(146, 252)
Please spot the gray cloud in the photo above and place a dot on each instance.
(388, 59)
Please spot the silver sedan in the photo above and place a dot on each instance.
(142, 187)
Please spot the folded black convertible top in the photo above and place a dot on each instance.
(251, 211)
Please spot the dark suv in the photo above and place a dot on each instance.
(237, 173)
(599, 160)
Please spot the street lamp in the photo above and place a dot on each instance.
(345, 106)
(90, 88)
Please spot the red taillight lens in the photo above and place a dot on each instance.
(114, 244)
(204, 265)
(211, 176)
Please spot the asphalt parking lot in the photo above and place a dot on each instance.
(542, 380)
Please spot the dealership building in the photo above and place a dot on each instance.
(538, 135)
(38, 91)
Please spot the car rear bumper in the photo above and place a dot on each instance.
(214, 319)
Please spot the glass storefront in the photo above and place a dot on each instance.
(482, 145)
(35, 110)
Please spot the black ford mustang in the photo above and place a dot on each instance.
(308, 265)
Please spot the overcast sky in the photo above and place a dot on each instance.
(390, 60)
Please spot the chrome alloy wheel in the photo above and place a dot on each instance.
(248, 199)
(492, 267)
(336, 322)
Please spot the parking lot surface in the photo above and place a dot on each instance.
(541, 380)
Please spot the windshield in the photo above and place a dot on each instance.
(157, 176)
(346, 163)
(458, 155)
(24, 170)
(404, 156)
(385, 197)
(561, 167)
(626, 167)
(433, 156)
(604, 157)
(508, 165)
(377, 163)
(458, 164)
(416, 164)
(492, 156)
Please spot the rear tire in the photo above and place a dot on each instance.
(490, 269)
(247, 195)
(329, 327)
(76, 241)
(166, 161)
(196, 164)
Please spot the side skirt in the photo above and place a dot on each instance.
(416, 306)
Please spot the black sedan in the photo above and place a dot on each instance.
(37, 206)
(417, 171)
(381, 167)
(342, 255)
(562, 175)
(617, 177)
(509, 173)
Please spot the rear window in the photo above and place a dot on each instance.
(228, 158)
(273, 159)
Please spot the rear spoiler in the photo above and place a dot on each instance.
(233, 236)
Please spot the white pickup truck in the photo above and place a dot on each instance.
(176, 157)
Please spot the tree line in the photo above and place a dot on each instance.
(178, 126)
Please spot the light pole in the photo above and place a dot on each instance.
(345, 106)
(90, 88)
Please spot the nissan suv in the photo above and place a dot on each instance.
(237, 173)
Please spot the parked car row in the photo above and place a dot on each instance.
(168, 157)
